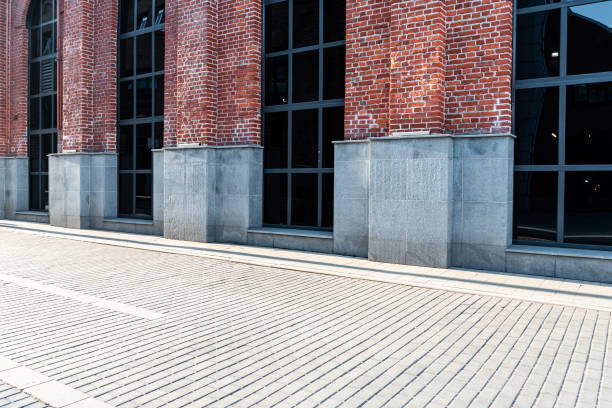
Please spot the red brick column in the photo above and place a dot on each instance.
(78, 68)
(239, 53)
(367, 69)
(191, 72)
(479, 67)
(418, 52)
(4, 121)
(106, 14)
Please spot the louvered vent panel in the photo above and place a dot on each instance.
(47, 76)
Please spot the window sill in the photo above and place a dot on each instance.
(558, 251)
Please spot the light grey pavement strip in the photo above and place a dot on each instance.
(71, 294)
(22, 383)
(530, 288)
(239, 334)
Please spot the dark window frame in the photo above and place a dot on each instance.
(41, 175)
(561, 82)
(320, 104)
(135, 121)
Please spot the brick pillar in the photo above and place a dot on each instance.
(78, 63)
(191, 69)
(418, 52)
(4, 120)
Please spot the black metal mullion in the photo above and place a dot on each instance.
(290, 113)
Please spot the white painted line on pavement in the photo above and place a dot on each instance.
(81, 297)
(45, 389)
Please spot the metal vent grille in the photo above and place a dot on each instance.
(47, 77)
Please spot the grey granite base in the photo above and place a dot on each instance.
(15, 186)
(212, 194)
(82, 189)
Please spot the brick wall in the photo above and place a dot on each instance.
(442, 66)
(4, 142)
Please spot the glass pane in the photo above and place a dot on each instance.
(531, 3)
(144, 98)
(126, 193)
(333, 73)
(277, 34)
(327, 220)
(127, 16)
(589, 33)
(159, 135)
(34, 153)
(144, 143)
(126, 100)
(35, 43)
(159, 95)
(537, 45)
(275, 199)
(47, 10)
(126, 58)
(276, 80)
(334, 15)
(54, 123)
(47, 148)
(588, 128)
(47, 40)
(126, 148)
(144, 194)
(46, 112)
(34, 114)
(34, 16)
(588, 208)
(144, 17)
(44, 190)
(35, 203)
(333, 129)
(160, 50)
(306, 76)
(304, 200)
(305, 23)
(160, 6)
(535, 206)
(35, 78)
(55, 37)
(275, 140)
(144, 61)
(305, 140)
(537, 126)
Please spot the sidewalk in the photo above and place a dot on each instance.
(522, 287)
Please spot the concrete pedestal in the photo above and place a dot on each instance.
(212, 194)
(14, 186)
(82, 189)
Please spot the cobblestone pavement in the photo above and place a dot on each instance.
(136, 328)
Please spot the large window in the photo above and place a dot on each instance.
(303, 107)
(563, 106)
(141, 102)
(42, 115)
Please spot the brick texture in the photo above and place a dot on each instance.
(411, 65)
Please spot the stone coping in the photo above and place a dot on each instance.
(83, 153)
(208, 147)
(292, 232)
(136, 221)
(424, 135)
(561, 251)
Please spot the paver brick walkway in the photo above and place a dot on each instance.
(229, 334)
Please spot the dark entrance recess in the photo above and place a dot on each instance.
(141, 102)
(303, 106)
(42, 106)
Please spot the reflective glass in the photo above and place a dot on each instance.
(34, 13)
(589, 128)
(46, 112)
(276, 80)
(275, 199)
(35, 78)
(159, 135)
(535, 206)
(144, 54)
(304, 200)
(127, 16)
(160, 50)
(305, 144)
(47, 40)
(305, 23)
(333, 129)
(160, 12)
(327, 215)
(34, 120)
(144, 144)
(537, 126)
(589, 37)
(44, 192)
(306, 76)
(34, 153)
(126, 194)
(275, 140)
(126, 148)
(126, 57)
(35, 202)
(144, 194)
(46, 149)
(144, 14)
(588, 208)
(159, 95)
(538, 45)
(333, 73)
(126, 100)
(47, 10)
(334, 14)
(277, 27)
(35, 43)
(144, 98)
(532, 3)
